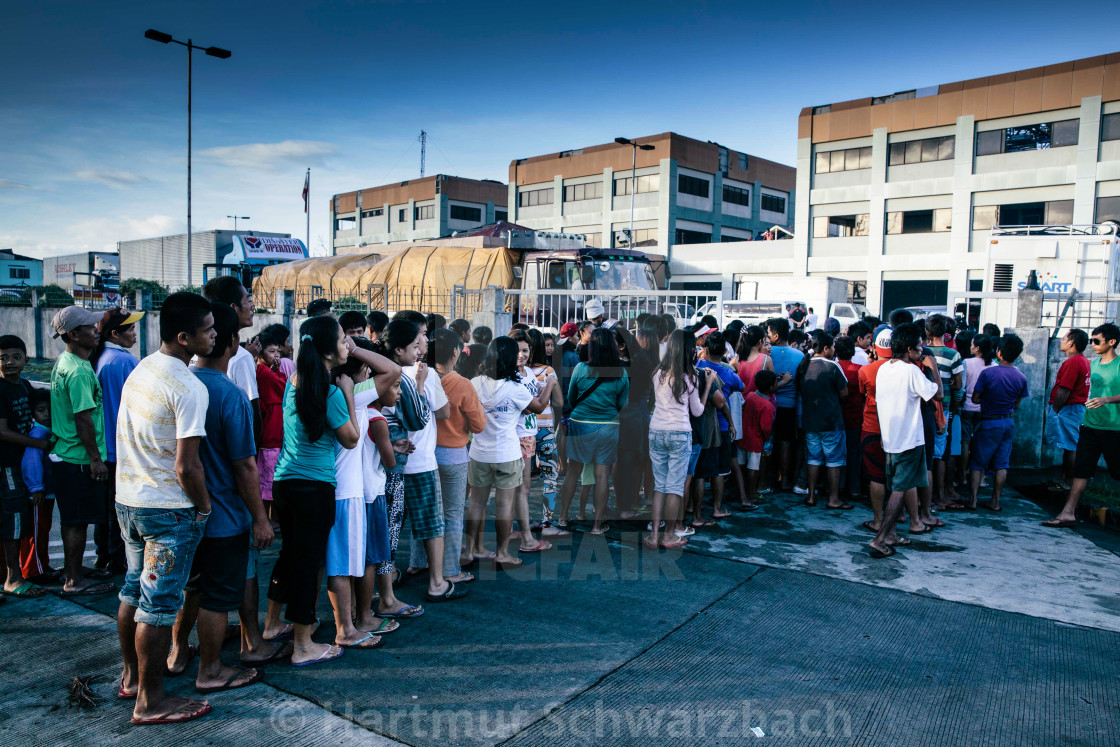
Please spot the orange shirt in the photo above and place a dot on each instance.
(466, 414)
(867, 389)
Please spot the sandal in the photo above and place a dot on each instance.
(256, 677)
(26, 590)
(1060, 523)
(413, 610)
(448, 595)
(202, 710)
(378, 643)
(322, 657)
(540, 547)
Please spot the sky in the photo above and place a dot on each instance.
(93, 115)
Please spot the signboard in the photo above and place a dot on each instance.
(268, 249)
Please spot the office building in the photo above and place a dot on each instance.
(414, 210)
(901, 190)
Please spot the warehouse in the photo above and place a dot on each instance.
(164, 258)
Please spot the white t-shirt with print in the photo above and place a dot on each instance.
(161, 402)
(899, 389)
(527, 423)
(502, 401)
(424, 458)
(348, 463)
(373, 471)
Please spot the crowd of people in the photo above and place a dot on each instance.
(191, 461)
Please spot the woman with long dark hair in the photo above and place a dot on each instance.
(318, 416)
(598, 392)
(540, 353)
(633, 429)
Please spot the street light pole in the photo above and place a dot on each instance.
(633, 177)
(237, 218)
(221, 54)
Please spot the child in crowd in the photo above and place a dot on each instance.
(281, 336)
(998, 391)
(270, 387)
(527, 436)
(34, 549)
(759, 411)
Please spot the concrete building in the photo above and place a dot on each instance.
(16, 269)
(685, 192)
(901, 190)
(414, 210)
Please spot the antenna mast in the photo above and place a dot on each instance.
(423, 150)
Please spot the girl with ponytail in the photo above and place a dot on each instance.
(983, 355)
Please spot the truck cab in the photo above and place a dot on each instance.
(249, 255)
(583, 273)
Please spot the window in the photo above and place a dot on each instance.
(400, 215)
(462, 212)
(19, 273)
(736, 195)
(922, 151)
(424, 212)
(841, 225)
(920, 221)
(642, 237)
(851, 159)
(725, 239)
(773, 203)
(589, 191)
(743, 162)
(344, 224)
(535, 197)
(1054, 213)
(1110, 127)
(373, 213)
(691, 185)
(501, 215)
(1108, 208)
(592, 239)
(1028, 137)
(647, 183)
(685, 236)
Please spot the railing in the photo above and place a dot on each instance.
(1060, 311)
(98, 299)
(1088, 229)
(550, 309)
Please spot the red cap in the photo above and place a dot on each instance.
(569, 329)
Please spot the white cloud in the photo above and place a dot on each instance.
(16, 186)
(271, 155)
(92, 235)
(114, 179)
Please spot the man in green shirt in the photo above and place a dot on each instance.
(81, 487)
(1100, 430)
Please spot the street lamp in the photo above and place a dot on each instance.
(237, 218)
(633, 177)
(221, 54)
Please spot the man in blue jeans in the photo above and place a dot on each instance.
(998, 391)
(162, 503)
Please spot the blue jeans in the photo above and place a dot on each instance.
(669, 453)
(159, 545)
(453, 486)
(826, 447)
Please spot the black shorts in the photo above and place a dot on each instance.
(726, 453)
(15, 505)
(1092, 444)
(785, 424)
(81, 499)
(707, 466)
(218, 572)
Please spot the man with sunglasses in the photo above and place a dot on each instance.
(1100, 430)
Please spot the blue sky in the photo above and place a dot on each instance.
(93, 115)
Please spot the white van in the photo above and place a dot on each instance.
(748, 312)
(847, 314)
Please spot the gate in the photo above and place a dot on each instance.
(550, 309)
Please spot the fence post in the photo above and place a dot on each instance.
(1028, 310)
(492, 313)
(286, 305)
(37, 318)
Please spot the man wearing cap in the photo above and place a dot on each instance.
(80, 475)
(112, 362)
(594, 312)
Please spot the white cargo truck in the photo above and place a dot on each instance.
(818, 293)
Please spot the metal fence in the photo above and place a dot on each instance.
(550, 309)
(1060, 311)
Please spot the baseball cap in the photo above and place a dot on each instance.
(568, 329)
(71, 318)
(115, 319)
(702, 332)
(593, 309)
(883, 341)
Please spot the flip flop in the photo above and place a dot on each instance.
(88, 591)
(722, 516)
(602, 530)
(674, 545)
(98, 574)
(869, 526)
(541, 547)
(703, 523)
(927, 530)
(322, 657)
(26, 590)
(280, 652)
(750, 507)
(201, 711)
(387, 626)
(258, 675)
(367, 637)
(877, 554)
(192, 651)
(285, 632)
(1060, 523)
(488, 556)
(467, 577)
(841, 507)
(124, 695)
(901, 542)
(451, 593)
(413, 610)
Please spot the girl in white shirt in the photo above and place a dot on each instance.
(527, 436)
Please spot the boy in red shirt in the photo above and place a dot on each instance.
(1067, 402)
(759, 410)
(852, 409)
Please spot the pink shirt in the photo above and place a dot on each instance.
(668, 413)
(287, 367)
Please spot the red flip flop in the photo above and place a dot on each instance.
(541, 547)
(178, 719)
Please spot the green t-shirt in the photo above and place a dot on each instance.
(299, 458)
(74, 388)
(1104, 381)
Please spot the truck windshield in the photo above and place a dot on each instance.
(616, 275)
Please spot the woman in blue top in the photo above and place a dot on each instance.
(317, 415)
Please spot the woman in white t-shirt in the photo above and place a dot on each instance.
(527, 436)
(346, 545)
(496, 452)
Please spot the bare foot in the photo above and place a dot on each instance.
(270, 651)
(316, 651)
(170, 707)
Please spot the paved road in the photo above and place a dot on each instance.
(991, 631)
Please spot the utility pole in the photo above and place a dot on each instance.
(423, 151)
(633, 177)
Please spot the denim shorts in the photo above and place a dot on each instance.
(826, 447)
(593, 443)
(991, 446)
(669, 453)
(693, 458)
(1062, 427)
(159, 544)
(939, 441)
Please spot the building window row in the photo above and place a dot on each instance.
(922, 151)
(400, 215)
(462, 212)
(1054, 213)
(647, 183)
(736, 195)
(1027, 137)
(691, 185)
(19, 273)
(1108, 208)
(851, 159)
(642, 237)
(345, 224)
(535, 197)
(728, 239)
(424, 212)
(589, 191)
(743, 163)
(373, 213)
(919, 221)
(773, 203)
(684, 236)
(1110, 127)
(830, 226)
